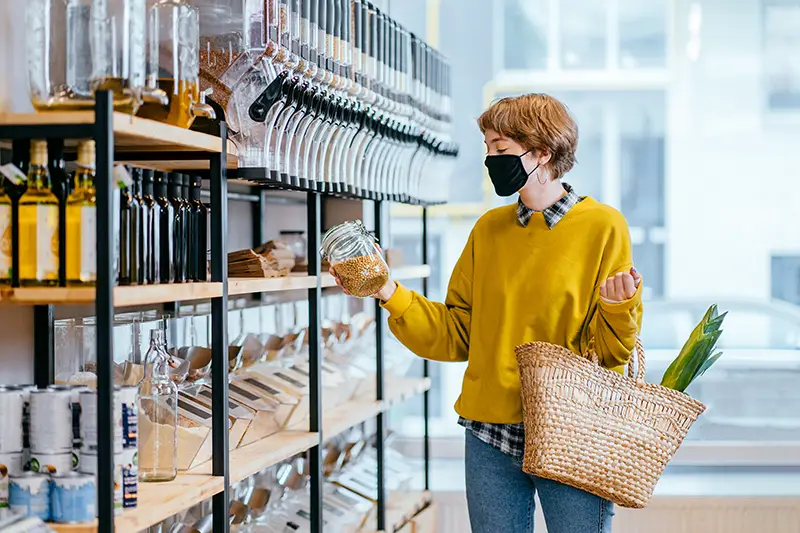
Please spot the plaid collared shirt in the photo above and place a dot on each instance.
(510, 438)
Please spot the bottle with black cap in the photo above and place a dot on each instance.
(139, 235)
(190, 255)
(200, 227)
(166, 229)
(152, 211)
(178, 226)
(61, 187)
(129, 223)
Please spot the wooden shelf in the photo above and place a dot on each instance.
(256, 285)
(398, 274)
(126, 296)
(137, 135)
(157, 502)
(402, 507)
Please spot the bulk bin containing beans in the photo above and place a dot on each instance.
(351, 251)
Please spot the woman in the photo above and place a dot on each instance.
(555, 267)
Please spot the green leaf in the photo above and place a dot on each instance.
(695, 361)
(710, 361)
(715, 323)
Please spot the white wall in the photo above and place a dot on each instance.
(732, 191)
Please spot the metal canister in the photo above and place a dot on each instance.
(75, 391)
(51, 421)
(72, 498)
(129, 404)
(54, 463)
(11, 464)
(89, 466)
(129, 463)
(11, 406)
(89, 421)
(29, 495)
(26, 419)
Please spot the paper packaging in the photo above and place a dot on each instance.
(269, 403)
(240, 417)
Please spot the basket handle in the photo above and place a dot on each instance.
(638, 355)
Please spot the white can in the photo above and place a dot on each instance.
(89, 421)
(11, 406)
(89, 466)
(51, 421)
(129, 406)
(54, 463)
(11, 464)
(75, 398)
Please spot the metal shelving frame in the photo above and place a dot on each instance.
(102, 131)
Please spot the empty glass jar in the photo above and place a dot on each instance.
(173, 64)
(352, 253)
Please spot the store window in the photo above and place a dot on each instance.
(583, 34)
(643, 33)
(525, 34)
(781, 20)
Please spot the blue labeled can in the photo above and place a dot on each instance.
(72, 497)
(29, 495)
(129, 463)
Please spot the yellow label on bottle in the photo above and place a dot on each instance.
(38, 242)
(5, 241)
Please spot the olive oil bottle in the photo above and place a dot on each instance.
(6, 253)
(82, 220)
(38, 224)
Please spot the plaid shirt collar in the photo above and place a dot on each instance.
(552, 214)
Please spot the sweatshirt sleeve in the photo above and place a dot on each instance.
(433, 330)
(617, 324)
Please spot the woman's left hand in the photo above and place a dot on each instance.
(621, 287)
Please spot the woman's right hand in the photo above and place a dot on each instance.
(383, 295)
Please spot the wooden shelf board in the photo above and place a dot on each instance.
(126, 296)
(256, 285)
(251, 459)
(402, 507)
(398, 274)
(157, 501)
(399, 390)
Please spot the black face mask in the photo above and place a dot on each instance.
(507, 173)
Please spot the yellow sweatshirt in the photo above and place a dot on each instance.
(517, 284)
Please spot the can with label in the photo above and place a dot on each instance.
(129, 463)
(89, 421)
(129, 401)
(72, 498)
(26, 418)
(75, 391)
(29, 495)
(11, 464)
(54, 463)
(11, 407)
(89, 466)
(51, 421)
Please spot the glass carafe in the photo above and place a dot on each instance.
(173, 64)
(158, 415)
(59, 54)
(118, 50)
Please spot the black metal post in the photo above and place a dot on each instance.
(258, 220)
(426, 397)
(380, 435)
(43, 345)
(219, 331)
(104, 139)
(315, 358)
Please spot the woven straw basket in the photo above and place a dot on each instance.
(595, 429)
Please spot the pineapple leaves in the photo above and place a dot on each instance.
(696, 355)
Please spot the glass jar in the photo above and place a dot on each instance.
(173, 64)
(158, 415)
(60, 54)
(296, 241)
(352, 252)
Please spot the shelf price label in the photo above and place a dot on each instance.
(13, 174)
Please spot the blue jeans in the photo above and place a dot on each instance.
(500, 497)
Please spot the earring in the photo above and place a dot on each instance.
(540, 181)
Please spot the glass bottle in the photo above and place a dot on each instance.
(174, 64)
(166, 229)
(81, 220)
(126, 214)
(178, 227)
(38, 223)
(6, 253)
(188, 227)
(158, 404)
(151, 230)
(61, 187)
(200, 215)
(138, 223)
